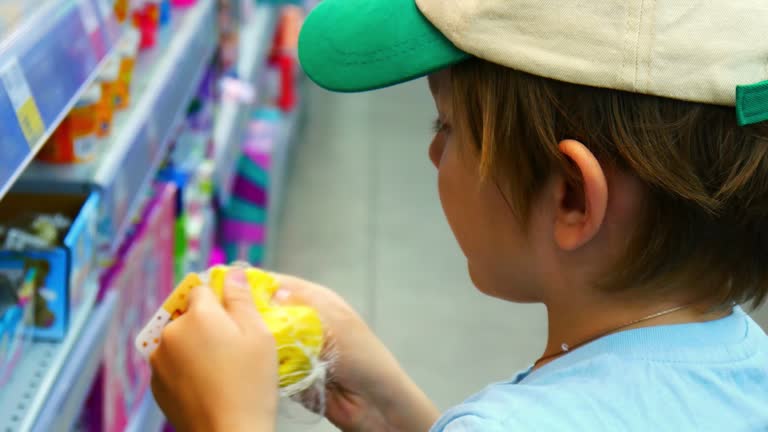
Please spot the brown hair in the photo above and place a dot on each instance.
(706, 177)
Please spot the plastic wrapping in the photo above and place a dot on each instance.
(298, 331)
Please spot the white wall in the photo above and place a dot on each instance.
(761, 316)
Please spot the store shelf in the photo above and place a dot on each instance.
(149, 418)
(166, 80)
(202, 227)
(36, 39)
(256, 39)
(47, 390)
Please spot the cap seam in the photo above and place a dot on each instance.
(394, 46)
(422, 42)
(627, 48)
(637, 50)
(651, 45)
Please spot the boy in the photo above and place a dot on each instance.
(589, 158)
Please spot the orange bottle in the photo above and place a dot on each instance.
(127, 50)
(121, 10)
(74, 141)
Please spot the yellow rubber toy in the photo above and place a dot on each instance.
(298, 330)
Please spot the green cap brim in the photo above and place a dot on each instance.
(359, 45)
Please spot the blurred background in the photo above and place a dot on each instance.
(146, 139)
(372, 228)
(362, 216)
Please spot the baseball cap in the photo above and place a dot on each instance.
(713, 52)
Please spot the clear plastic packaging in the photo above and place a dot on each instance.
(298, 331)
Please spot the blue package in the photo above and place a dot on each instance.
(11, 340)
(57, 281)
(165, 12)
(44, 283)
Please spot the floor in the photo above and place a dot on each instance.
(361, 215)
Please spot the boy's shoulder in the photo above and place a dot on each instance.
(721, 385)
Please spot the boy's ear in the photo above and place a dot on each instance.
(581, 207)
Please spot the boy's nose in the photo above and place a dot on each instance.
(436, 152)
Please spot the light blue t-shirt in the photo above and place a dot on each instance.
(709, 376)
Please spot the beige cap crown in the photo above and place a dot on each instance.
(695, 50)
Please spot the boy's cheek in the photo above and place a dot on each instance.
(448, 201)
(460, 199)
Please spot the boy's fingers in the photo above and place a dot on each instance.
(285, 297)
(200, 296)
(238, 301)
(292, 291)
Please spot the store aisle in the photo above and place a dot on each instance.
(361, 215)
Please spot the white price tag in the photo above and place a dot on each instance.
(15, 83)
(88, 15)
(105, 7)
(17, 87)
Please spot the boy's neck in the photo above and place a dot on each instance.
(575, 322)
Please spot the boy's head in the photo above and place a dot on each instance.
(627, 168)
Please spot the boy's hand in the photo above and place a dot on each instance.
(216, 366)
(368, 390)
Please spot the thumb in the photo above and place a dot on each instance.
(238, 301)
(290, 292)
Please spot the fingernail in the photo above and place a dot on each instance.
(281, 295)
(237, 276)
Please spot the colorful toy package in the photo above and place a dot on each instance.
(17, 306)
(47, 250)
(244, 221)
(143, 274)
(41, 277)
(298, 330)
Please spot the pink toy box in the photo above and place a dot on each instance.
(143, 274)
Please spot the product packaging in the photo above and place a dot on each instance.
(183, 3)
(143, 274)
(146, 18)
(51, 259)
(17, 308)
(74, 141)
(298, 330)
(121, 10)
(243, 229)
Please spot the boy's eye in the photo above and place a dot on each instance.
(439, 126)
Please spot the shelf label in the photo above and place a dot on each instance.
(89, 17)
(15, 83)
(105, 7)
